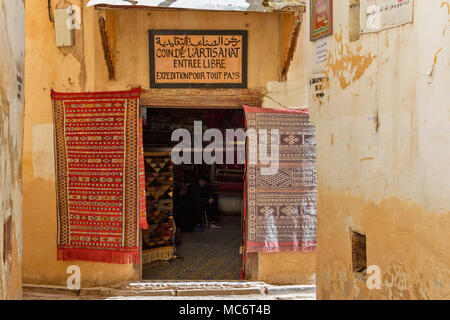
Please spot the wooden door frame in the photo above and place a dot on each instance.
(202, 98)
(198, 99)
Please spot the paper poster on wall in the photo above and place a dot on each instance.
(378, 15)
(198, 58)
(321, 19)
(321, 50)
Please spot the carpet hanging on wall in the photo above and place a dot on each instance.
(158, 239)
(97, 175)
(281, 205)
(142, 190)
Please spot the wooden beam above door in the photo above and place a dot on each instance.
(202, 98)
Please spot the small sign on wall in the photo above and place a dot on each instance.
(378, 15)
(321, 50)
(321, 19)
(198, 58)
(316, 82)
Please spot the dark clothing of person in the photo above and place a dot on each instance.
(202, 197)
(211, 212)
(205, 193)
(183, 211)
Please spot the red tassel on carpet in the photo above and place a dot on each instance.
(97, 177)
(105, 256)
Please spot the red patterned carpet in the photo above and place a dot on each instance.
(97, 143)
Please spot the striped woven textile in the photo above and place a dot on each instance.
(281, 208)
(142, 191)
(97, 175)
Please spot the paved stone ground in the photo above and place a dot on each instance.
(212, 254)
(47, 296)
(176, 290)
(209, 255)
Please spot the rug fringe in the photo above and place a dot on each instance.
(259, 249)
(160, 254)
(98, 256)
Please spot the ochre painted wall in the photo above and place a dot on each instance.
(83, 68)
(287, 268)
(12, 50)
(383, 140)
(133, 51)
(64, 70)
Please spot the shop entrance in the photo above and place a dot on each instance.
(194, 211)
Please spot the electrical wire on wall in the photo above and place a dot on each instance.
(50, 11)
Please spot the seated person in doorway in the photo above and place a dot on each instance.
(204, 201)
(183, 210)
(180, 203)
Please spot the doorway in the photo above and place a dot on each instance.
(186, 240)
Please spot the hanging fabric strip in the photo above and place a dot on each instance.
(158, 239)
(142, 199)
(281, 193)
(97, 175)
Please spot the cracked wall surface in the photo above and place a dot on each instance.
(383, 141)
(382, 134)
(384, 122)
(383, 148)
(12, 41)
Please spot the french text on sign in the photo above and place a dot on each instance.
(198, 58)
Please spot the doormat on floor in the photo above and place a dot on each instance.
(158, 239)
(281, 206)
(97, 175)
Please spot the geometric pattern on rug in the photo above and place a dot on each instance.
(158, 239)
(281, 207)
(97, 169)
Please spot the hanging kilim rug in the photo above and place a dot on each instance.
(142, 200)
(282, 204)
(158, 239)
(97, 175)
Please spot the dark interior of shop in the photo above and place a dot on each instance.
(183, 241)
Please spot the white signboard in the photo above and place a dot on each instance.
(377, 15)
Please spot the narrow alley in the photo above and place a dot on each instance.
(225, 150)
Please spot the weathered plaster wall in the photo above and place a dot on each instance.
(287, 268)
(133, 47)
(12, 42)
(83, 68)
(63, 70)
(383, 149)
